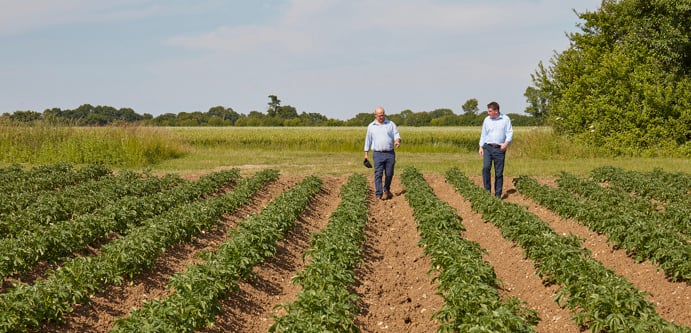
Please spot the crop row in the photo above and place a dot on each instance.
(643, 235)
(600, 300)
(52, 243)
(29, 306)
(467, 283)
(668, 190)
(672, 217)
(54, 207)
(20, 188)
(657, 184)
(195, 293)
(326, 303)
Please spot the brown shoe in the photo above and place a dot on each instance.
(388, 195)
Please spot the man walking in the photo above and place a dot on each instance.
(382, 137)
(495, 138)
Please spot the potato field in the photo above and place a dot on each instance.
(92, 249)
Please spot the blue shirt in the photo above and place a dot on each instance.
(380, 137)
(496, 130)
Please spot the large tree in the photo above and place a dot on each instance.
(624, 83)
(470, 106)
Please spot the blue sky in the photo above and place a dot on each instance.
(334, 57)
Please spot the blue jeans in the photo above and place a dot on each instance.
(383, 168)
(496, 156)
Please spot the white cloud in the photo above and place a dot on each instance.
(18, 16)
(246, 40)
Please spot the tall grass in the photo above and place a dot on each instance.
(116, 146)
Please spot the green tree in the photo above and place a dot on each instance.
(537, 102)
(470, 106)
(286, 112)
(418, 119)
(624, 83)
(274, 104)
(226, 116)
(440, 113)
(25, 116)
(360, 119)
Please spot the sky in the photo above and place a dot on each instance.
(333, 57)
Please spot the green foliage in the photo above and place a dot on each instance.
(326, 303)
(26, 307)
(600, 300)
(115, 146)
(467, 283)
(628, 223)
(669, 191)
(624, 84)
(133, 200)
(470, 106)
(198, 290)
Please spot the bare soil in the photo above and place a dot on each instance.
(394, 282)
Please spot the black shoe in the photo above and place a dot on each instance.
(388, 195)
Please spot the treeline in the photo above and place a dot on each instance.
(277, 115)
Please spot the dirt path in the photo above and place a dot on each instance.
(397, 293)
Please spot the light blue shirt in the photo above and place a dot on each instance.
(381, 137)
(496, 130)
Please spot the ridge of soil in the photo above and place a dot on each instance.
(396, 289)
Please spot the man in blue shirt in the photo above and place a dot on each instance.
(495, 138)
(382, 137)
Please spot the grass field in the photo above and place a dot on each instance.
(337, 151)
(300, 150)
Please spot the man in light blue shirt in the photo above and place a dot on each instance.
(495, 138)
(382, 137)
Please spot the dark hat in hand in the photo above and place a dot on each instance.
(366, 163)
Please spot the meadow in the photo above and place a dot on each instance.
(536, 151)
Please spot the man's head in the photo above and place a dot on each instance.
(379, 114)
(493, 109)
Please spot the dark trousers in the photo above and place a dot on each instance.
(493, 155)
(383, 168)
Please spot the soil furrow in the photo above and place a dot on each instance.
(515, 271)
(672, 300)
(397, 292)
(117, 301)
(250, 309)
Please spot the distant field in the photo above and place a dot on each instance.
(337, 151)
